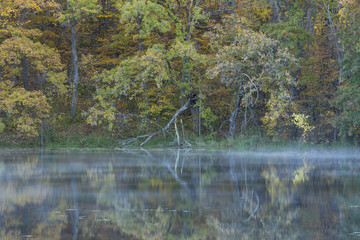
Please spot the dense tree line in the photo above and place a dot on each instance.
(288, 69)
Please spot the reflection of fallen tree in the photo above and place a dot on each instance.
(244, 198)
(168, 165)
(191, 102)
(174, 172)
(186, 190)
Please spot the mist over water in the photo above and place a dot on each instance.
(180, 194)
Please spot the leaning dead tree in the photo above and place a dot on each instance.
(245, 90)
(192, 98)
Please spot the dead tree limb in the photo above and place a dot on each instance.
(242, 91)
(135, 139)
(221, 131)
(130, 140)
(234, 114)
(186, 142)
(177, 133)
(192, 100)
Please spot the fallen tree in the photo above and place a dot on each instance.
(192, 98)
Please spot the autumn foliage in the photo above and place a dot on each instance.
(286, 69)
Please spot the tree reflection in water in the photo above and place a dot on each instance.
(179, 194)
(246, 200)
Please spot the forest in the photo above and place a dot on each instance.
(137, 71)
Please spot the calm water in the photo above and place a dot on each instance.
(179, 195)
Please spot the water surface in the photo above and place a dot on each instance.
(179, 194)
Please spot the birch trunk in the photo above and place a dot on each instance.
(76, 71)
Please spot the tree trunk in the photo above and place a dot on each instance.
(195, 115)
(42, 133)
(177, 134)
(141, 40)
(276, 18)
(184, 78)
(339, 49)
(104, 9)
(25, 73)
(139, 21)
(22, 18)
(339, 52)
(23, 14)
(234, 114)
(76, 71)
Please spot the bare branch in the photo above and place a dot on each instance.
(191, 101)
(188, 104)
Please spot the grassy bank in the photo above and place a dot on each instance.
(101, 140)
(63, 141)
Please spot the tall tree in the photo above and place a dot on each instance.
(175, 57)
(348, 98)
(253, 62)
(76, 12)
(24, 57)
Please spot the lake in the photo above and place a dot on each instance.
(179, 194)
